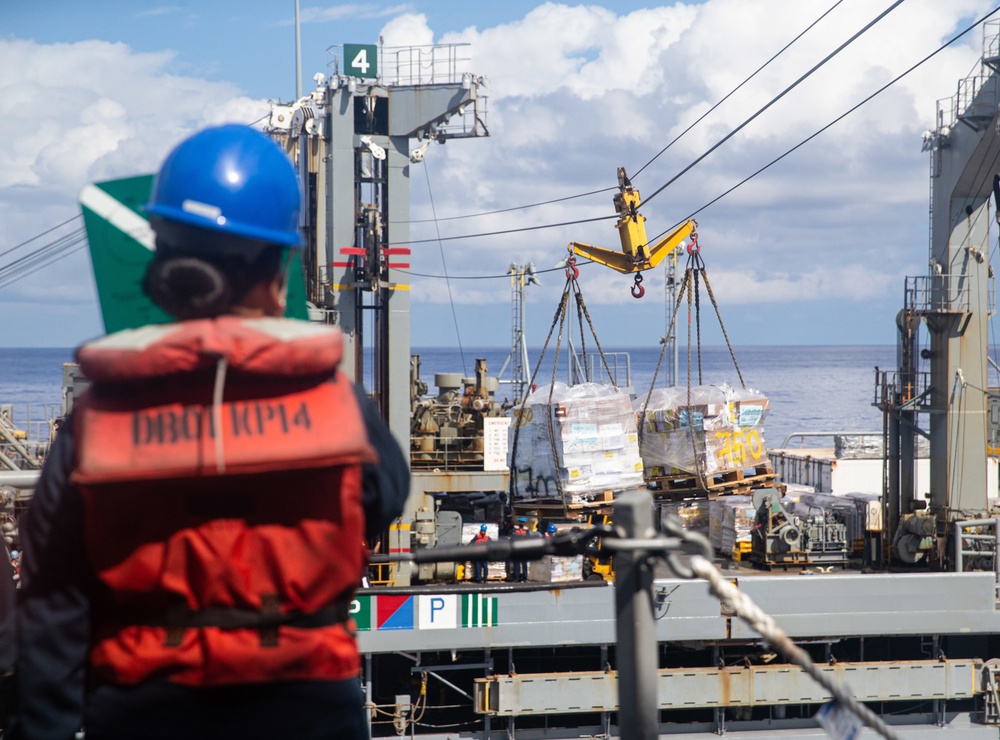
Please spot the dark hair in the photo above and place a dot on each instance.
(196, 274)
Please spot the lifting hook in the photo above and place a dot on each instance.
(637, 290)
(693, 246)
(572, 271)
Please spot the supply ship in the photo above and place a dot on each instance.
(913, 631)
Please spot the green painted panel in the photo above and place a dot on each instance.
(361, 610)
(118, 259)
(119, 256)
(361, 60)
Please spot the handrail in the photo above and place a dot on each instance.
(789, 437)
(962, 537)
(447, 454)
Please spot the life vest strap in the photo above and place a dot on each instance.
(267, 620)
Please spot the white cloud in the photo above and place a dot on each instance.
(71, 114)
(162, 10)
(67, 111)
(345, 12)
(574, 92)
(843, 218)
(407, 29)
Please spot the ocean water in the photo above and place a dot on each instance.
(31, 382)
(811, 389)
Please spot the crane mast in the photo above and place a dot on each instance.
(954, 301)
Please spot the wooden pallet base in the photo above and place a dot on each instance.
(739, 481)
(550, 506)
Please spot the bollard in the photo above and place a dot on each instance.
(637, 653)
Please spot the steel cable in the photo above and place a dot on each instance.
(735, 89)
(778, 97)
(835, 121)
(761, 622)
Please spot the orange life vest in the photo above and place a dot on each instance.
(228, 531)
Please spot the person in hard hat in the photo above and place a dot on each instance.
(480, 567)
(521, 566)
(550, 530)
(197, 533)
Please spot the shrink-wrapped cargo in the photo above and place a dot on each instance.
(731, 520)
(713, 429)
(693, 515)
(556, 569)
(593, 445)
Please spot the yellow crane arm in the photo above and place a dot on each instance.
(635, 258)
(636, 254)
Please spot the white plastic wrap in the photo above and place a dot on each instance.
(722, 429)
(595, 446)
(556, 569)
(731, 520)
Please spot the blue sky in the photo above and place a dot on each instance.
(814, 251)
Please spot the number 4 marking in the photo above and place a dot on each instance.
(360, 61)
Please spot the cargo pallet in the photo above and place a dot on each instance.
(548, 507)
(737, 481)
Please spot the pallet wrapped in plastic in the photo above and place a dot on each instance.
(731, 520)
(713, 429)
(694, 515)
(556, 569)
(593, 446)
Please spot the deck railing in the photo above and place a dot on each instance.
(430, 64)
(967, 535)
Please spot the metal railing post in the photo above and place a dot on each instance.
(959, 551)
(637, 654)
(996, 557)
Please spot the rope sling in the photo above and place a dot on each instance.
(571, 288)
(694, 274)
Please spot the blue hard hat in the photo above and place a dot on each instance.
(482, 528)
(551, 528)
(233, 180)
(521, 519)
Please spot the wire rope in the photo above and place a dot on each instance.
(41, 257)
(39, 236)
(512, 208)
(775, 99)
(838, 119)
(521, 229)
(735, 89)
(444, 264)
(657, 155)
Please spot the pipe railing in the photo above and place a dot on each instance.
(961, 538)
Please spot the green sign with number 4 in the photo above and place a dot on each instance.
(361, 60)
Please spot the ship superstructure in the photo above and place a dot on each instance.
(445, 659)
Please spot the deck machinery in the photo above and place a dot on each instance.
(445, 659)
